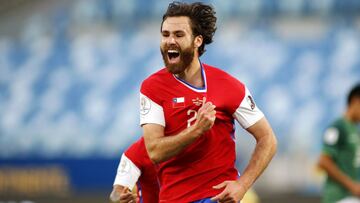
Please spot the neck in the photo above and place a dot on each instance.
(192, 74)
(349, 115)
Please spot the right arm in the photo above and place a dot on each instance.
(333, 171)
(161, 148)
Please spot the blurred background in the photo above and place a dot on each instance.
(70, 74)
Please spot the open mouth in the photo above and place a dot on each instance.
(173, 56)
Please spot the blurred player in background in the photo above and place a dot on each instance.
(146, 190)
(135, 172)
(188, 111)
(136, 167)
(340, 156)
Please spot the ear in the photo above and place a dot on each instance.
(198, 41)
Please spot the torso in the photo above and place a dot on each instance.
(346, 157)
(210, 159)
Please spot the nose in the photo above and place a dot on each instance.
(171, 40)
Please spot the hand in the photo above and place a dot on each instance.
(233, 192)
(128, 197)
(122, 194)
(355, 189)
(206, 116)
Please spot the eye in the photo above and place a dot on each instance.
(179, 34)
(165, 34)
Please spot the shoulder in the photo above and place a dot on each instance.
(156, 77)
(135, 151)
(221, 75)
(338, 124)
(156, 82)
(136, 146)
(223, 80)
(222, 83)
(333, 132)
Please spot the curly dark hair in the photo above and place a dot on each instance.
(202, 18)
(354, 93)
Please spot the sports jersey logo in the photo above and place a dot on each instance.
(145, 105)
(197, 101)
(124, 166)
(331, 136)
(178, 102)
(251, 102)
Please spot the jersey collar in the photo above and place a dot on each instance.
(196, 89)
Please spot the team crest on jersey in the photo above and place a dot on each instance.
(145, 105)
(197, 101)
(251, 102)
(331, 136)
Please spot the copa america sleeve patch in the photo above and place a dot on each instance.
(247, 114)
(150, 112)
(331, 136)
(127, 173)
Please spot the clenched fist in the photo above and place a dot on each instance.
(206, 116)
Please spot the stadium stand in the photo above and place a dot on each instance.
(70, 76)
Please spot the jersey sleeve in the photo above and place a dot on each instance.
(127, 173)
(136, 153)
(247, 114)
(151, 110)
(331, 141)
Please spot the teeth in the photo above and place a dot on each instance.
(173, 51)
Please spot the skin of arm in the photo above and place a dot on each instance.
(333, 171)
(161, 148)
(266, 145)
(265, 149)
(121, 194)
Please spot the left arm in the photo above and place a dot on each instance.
(266, 145)
(121, 194)
(265, 149)
(126, 177)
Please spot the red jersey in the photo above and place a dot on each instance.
(168, 101)
(136, 167)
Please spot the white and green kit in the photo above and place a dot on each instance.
(341, 142)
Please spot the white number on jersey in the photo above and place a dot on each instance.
(192, 114)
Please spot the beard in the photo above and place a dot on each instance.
(186, 57)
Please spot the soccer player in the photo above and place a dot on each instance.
(187, 112)
(135, 167)
(340, 157)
